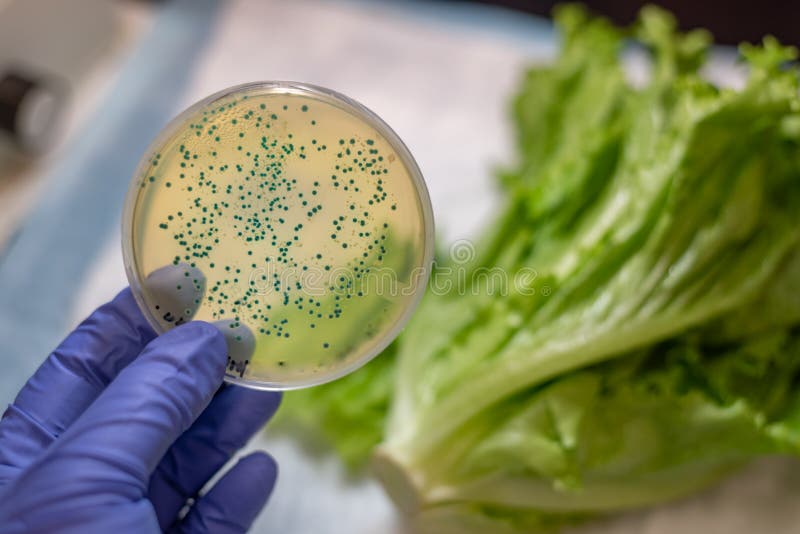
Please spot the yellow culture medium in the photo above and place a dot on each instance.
(289, 216)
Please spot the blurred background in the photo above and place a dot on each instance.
(86, 84)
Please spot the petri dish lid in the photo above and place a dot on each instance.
(289, 216)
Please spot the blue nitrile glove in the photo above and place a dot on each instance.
(118, 430)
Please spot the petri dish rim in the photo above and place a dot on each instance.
(344, 103)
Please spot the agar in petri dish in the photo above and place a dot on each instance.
(289, 216)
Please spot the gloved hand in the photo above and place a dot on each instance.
(118, 430)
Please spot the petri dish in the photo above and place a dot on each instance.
(289, 216)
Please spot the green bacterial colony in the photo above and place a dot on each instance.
(271, 215)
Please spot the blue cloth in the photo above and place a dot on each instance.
(118, 428)
(43, 268)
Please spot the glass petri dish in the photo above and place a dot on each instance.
(289, 216)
